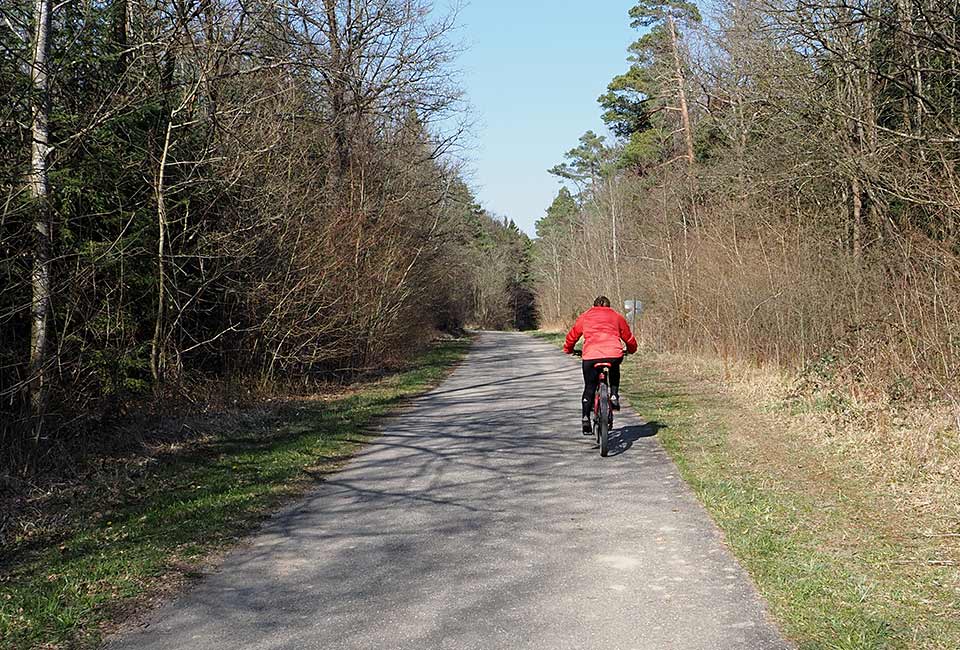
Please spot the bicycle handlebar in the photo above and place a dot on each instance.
(579, 353)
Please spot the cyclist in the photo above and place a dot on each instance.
(604, 333)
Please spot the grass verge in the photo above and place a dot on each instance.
(839, 569)
(161, 521)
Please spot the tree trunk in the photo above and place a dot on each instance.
(119, 26)
(337, 90)
(871, 138)
(40, 193)
(615, 243)
(857, 217)
(681, 91)
(156, 344)
(557, 282)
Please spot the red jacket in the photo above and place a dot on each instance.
(602, 329)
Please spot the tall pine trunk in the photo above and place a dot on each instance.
(681, 91)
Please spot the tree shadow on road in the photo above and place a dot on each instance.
(623, 438)
(498, 382)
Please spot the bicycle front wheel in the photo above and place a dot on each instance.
(603, 415)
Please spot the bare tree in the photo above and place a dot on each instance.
(40, 194)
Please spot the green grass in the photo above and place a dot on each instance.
(830, 581)
(550, 337)
(59, 590)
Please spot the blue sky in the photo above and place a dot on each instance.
(532, 72)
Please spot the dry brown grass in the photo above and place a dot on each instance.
(898, 466)
(880, 487)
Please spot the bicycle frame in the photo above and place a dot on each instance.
(602, 378)
(602, 413)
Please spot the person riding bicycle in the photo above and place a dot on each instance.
(604, 333)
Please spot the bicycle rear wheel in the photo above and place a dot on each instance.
(604, 416)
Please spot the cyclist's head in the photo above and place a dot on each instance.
(601, 301)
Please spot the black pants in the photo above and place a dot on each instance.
(591, 377)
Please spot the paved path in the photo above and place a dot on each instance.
(482, 519)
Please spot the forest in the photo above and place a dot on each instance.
(779, 187)
(201, 196)
(219, 194)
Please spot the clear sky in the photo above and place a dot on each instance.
(533, 71)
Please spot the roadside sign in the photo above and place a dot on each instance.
(632, 309)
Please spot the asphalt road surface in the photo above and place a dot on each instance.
(482, 519)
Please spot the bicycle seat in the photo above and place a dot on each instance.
(603, 365)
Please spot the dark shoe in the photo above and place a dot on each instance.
(615, 402)
(587, 426)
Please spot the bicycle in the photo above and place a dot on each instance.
(601, 416)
